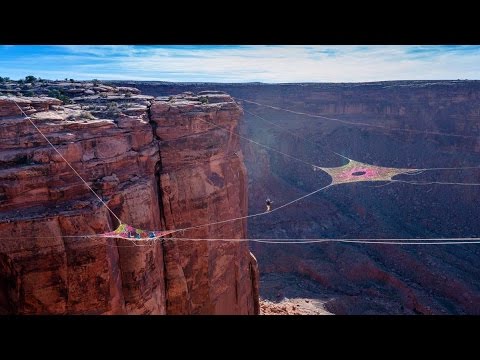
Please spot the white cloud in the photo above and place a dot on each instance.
(305, 64)
(275, 64)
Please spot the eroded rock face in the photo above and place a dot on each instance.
(44, 269)
(201, 166)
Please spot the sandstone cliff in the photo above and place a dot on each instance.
(157, 166)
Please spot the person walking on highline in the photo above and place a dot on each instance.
(269, 204)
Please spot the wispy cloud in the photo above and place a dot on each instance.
(275, 64)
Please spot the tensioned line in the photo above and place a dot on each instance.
(355, 123)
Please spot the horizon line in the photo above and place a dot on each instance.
(255, 82)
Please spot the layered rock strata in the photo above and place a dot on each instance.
(156, 166)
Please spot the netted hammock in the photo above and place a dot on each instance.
(128, 232)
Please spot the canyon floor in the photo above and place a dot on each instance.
(297, 306)
(287, 294)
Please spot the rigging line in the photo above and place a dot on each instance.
(257, 143)
(153, 243)
(342, 156)
(281, 128)
(379, 242)
(440, 241)
(254, 215)
(443, 241)
(361, 123)
(316, 242)
(297, 240)
(217, 222)
(450, 168)
(418, 171)
(435, 182)
(334, 239)
(291, 132)
(296, 200)
(414, 173)
(71, 167)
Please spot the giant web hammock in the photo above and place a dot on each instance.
(353, 171)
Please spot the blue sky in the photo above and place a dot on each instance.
(273, 64)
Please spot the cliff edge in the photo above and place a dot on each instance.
(158, 165)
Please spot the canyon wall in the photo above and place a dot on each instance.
(203, 180)
(157, 167)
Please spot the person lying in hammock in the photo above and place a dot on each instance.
(269, 204)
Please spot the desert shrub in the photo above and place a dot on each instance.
(58, 94)
(30, 79)
(113, 109)
(82, 116)
(203, 99)
(128, 94)
(112, 105)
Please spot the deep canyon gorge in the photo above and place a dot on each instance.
(363, 278)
